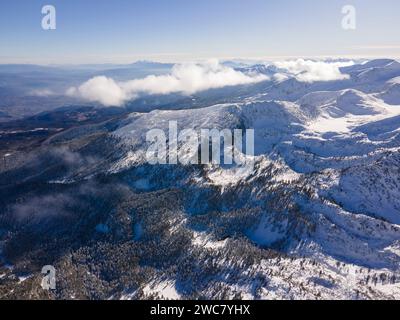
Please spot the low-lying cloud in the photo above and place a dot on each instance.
(184, 78)
(312, 71)
(42, 207)
(41, 93)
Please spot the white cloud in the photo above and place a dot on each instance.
(42, 92)
(100, 89)
(184, 78)
(311, 71)
(279, 77)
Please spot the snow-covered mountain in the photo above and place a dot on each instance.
(317, 217)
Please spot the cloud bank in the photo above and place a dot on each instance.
(312, 71)
(184, 78)
(41, 93)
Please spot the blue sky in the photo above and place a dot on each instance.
(100, 31)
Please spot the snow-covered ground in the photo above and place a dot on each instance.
(343, 140)
(323, 190)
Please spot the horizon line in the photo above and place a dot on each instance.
(199, 60)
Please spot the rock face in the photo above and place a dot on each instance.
(317, 217)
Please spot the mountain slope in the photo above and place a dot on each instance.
(316, 217)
